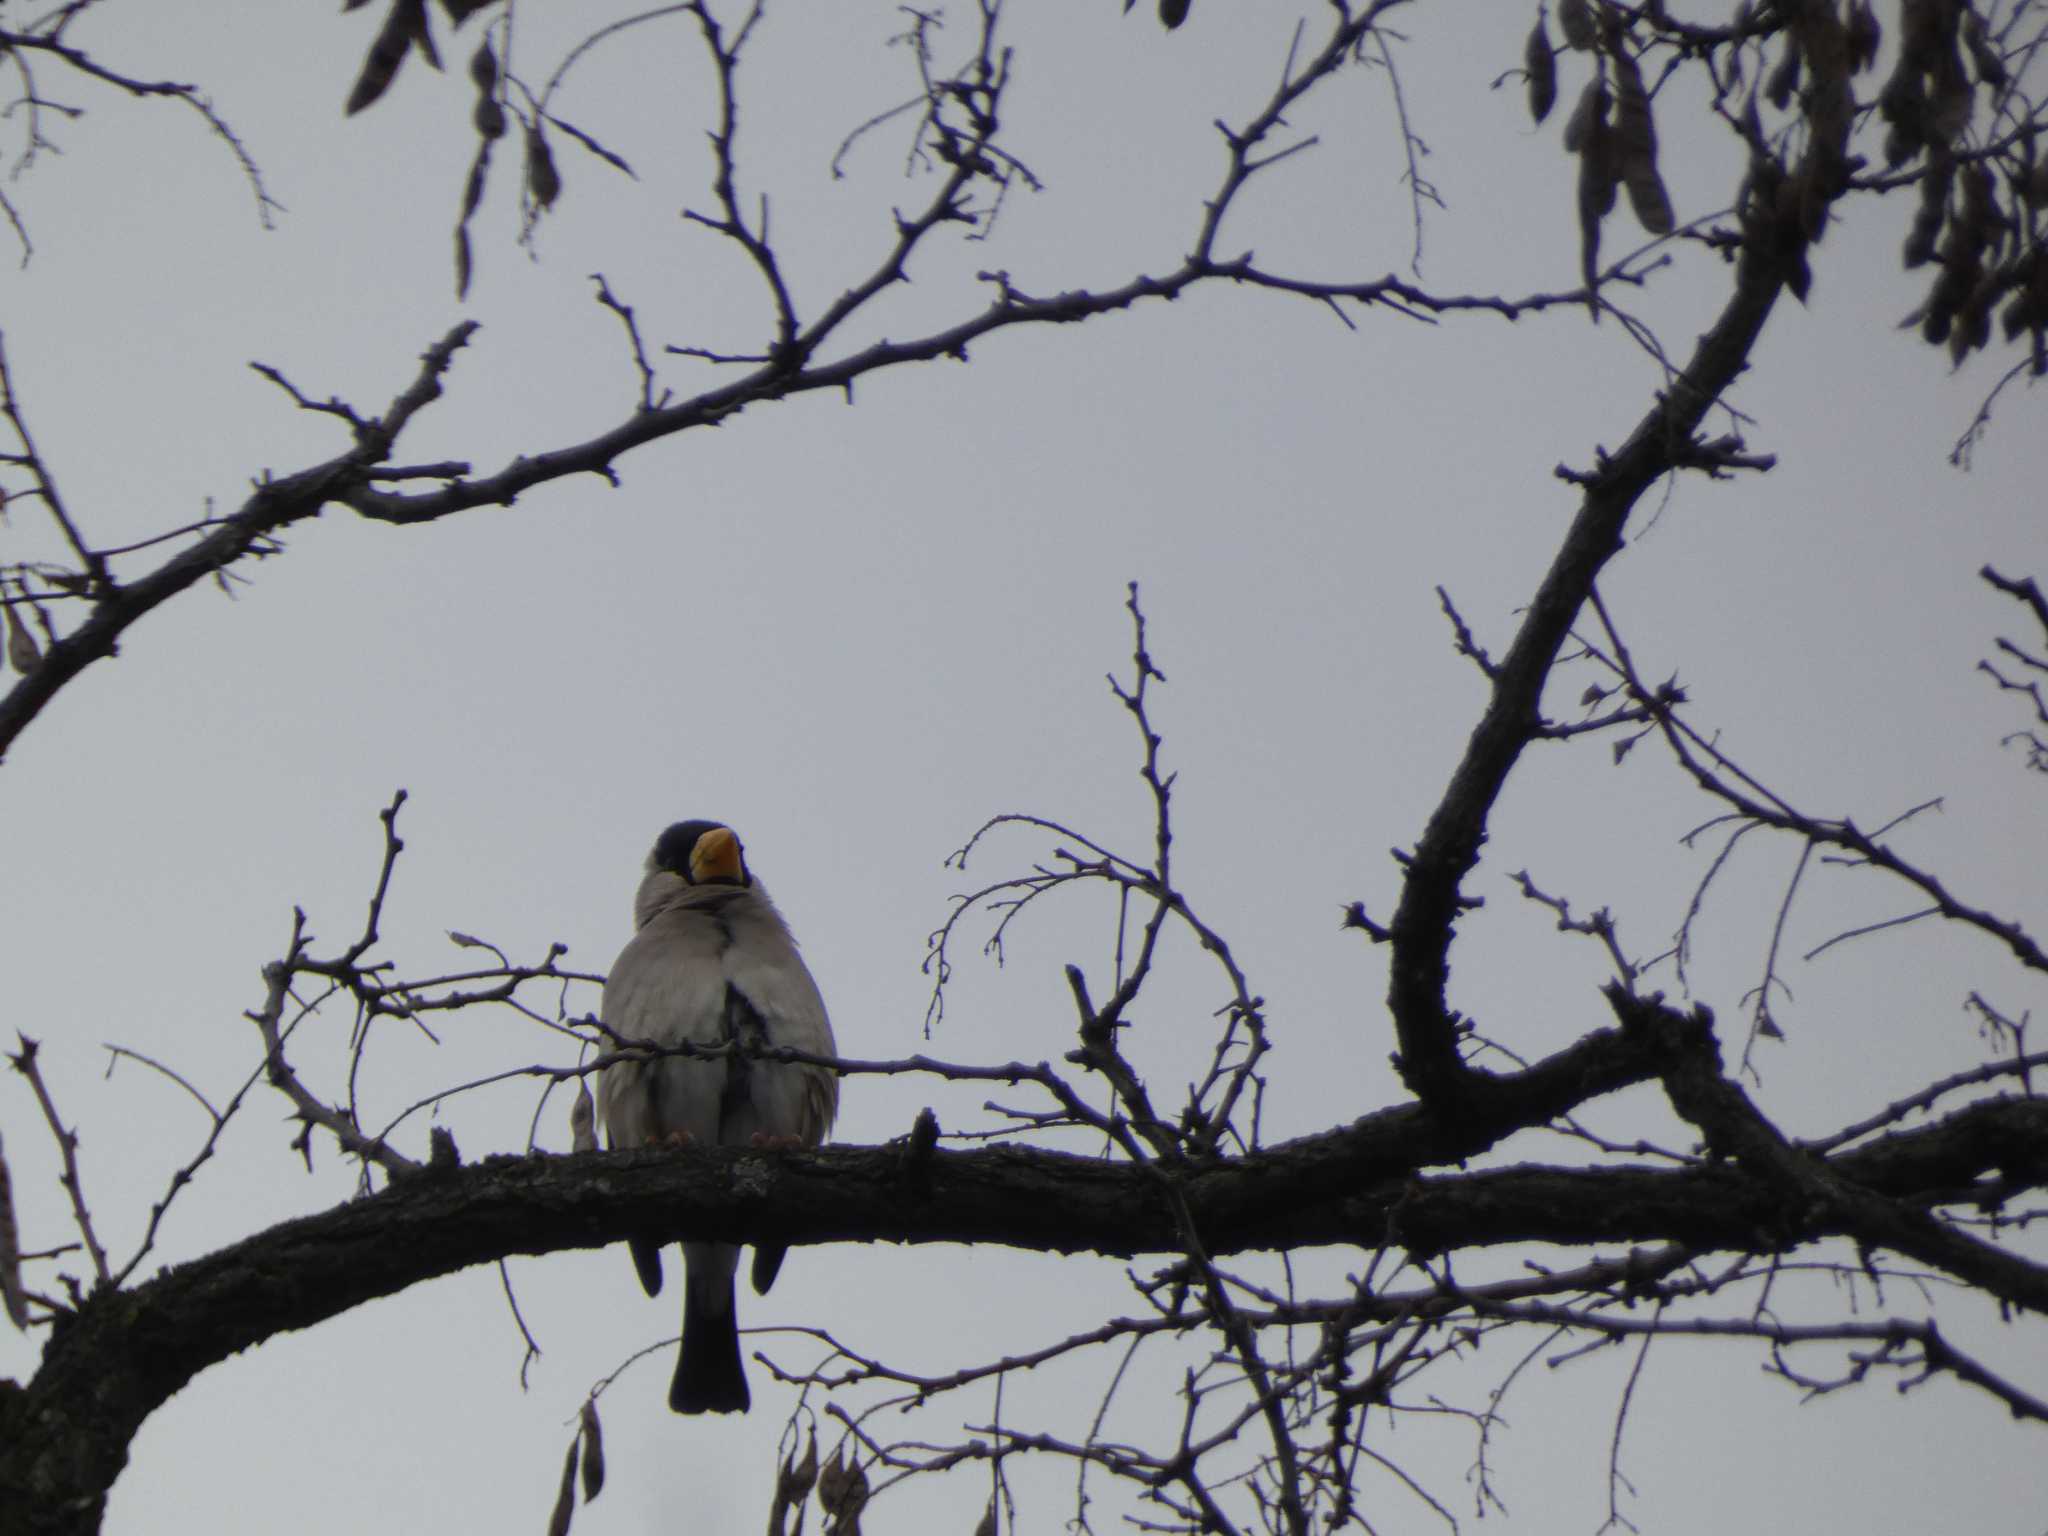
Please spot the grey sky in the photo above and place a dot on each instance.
(854, 631)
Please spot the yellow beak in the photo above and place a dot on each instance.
(717, 857)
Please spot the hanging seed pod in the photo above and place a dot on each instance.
(565, 1496)
(1172, 13)
(405, 27)
(542, 179)
(1635, 136)
(1575, 20)
(1599, 176)
(1973, 323)
(1948, 111)
(1866, 36)
(593, 1453)
(1978, 226)
(830, 1481)
(1591, 108)
(2028, 310)
(799, 1478)
(851, 1503)
(23, 654)
(1903, 103)
(1950, 288)
(1928, 218)
(1983, 56)
(2017, 317)
(1599, 172)
(473, 189)
(489, 116)
(1541, 64)
(380, 66)
(793, 1483)
(422, 34)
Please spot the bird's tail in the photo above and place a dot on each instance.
(709, 1377)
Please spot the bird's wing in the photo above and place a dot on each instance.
(763, 966)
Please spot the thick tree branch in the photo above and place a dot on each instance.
(1432, 897)
(123, 1353)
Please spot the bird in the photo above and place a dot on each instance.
(711, 962)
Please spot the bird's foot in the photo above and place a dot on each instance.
(775, 1143)
(674, 1139)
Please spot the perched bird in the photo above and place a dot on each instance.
(712, 963)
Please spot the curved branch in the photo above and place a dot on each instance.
(122, 1353)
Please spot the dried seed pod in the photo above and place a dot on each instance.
(793, 1483)
(1590, 109)
(542, 179)
(1928, 218)
(798, 1478)
(852, 1501)
(986, 1525)
(1983, 56)
(1866, 36)
(593, 1453)
(565, 1496)
(1951, 286)
(473, 189)
(423, 35)
(1172, 13)
(489, 115)
(404, 27)
(1599, 172)
(1542, 67)
(2018, 317)
(1575, 20)
(1948, 112)
(2028, 310)
(1635, 137)
(833, 1479)
(1973, 322)
(1599, 176)
(1903, 102)
(23, 654)
(1978, 225)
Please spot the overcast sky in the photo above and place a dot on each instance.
(854, 630)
